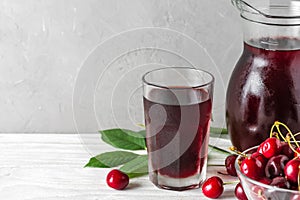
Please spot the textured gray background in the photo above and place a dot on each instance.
(44, 43)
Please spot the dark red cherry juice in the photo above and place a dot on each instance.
(264, 87)
(177, 126)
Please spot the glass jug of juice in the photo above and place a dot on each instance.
(265, 84)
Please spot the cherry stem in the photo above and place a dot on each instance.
(216, 165)
(296, 134)
(260, 194)
(230, 182)
(276, 135)
(234, 149)
(288, 138)
(277, 124)
(295, 140)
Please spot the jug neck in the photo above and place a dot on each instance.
(270, 36)
(267, 23)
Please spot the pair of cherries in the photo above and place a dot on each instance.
(214, 186)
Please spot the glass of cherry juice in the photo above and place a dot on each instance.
(177, 108)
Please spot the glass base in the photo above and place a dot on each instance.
(177, 184)
(178, 188)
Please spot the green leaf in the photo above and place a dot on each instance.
(111, 159)
(218, 130)
(135, 175)
(94, 162)
(124, 139)
(142, 133)
(139, 165)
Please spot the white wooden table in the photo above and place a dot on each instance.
(50, 166)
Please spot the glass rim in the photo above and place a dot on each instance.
(243, 16)
(237, 168)
(211, 81)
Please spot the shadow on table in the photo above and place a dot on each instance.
(133, 186)
(228, 193)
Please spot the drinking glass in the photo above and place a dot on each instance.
(177, 109)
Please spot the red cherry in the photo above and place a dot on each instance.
(213, 187)
(265, 181)
(270, 147)
(117, 179)
(260, 157)
(229, 164)
(252, 168)
(286, 150)
(259, 149)
(280, 182)
(291, 170)
(275, 166)
(239, 192)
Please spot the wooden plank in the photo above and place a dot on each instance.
(50, 166)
